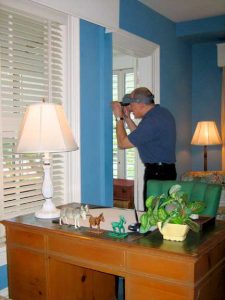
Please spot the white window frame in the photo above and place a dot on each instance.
(72, 108)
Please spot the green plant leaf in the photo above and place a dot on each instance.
(185, 198)
(187, 211)
(162, 214)
(193, 225)
(143, 230)
(167, 220)
(149, 211)
(167, 202)
(174, 189)
(196, 206)
(155, 210)
(149, 201)
(177, 219)
(144, 219)
(180, 197)
(152, 220)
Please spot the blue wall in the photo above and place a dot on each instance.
(175, 69)
(206, 99)
(3, 277)
(207, 29)
(188, 74)
(184, 56)
(96, 115)
(204, 34)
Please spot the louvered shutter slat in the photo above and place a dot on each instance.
(27, 79)
(20, 200)
(12, 185)
(23, 189)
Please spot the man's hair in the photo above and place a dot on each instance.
(143, 92)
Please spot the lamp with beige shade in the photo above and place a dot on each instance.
(44, 129)
(206, 133)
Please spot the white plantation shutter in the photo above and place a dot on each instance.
(27, 57)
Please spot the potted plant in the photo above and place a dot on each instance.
(172, 214)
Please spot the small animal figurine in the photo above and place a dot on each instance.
(71, 216)
(95, 221)
(119, 225)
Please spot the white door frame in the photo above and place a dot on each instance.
(147, 74)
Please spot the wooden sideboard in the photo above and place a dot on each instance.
(48, 261)
(123, 193)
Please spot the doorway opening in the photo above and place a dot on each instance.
(124, 161)
(123, 83)
(135, 63)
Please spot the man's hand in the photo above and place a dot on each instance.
(130, 123)
(117, 109)
(126, 111)
(122, 139)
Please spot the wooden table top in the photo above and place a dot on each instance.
(194, 245)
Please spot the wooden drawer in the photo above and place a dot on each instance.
(25, 238)
(157, 264)
(123, 193)
(86, 252)
(122, 203)
(123, 189)
(140, 287)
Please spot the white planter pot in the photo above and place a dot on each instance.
(173, 232)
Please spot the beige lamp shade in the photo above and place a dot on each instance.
(45, 129)
(206, 133)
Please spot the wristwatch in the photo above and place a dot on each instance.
(119, 119)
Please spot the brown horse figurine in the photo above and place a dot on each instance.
(95, 221)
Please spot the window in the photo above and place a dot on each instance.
(31, 49)
(123, 160)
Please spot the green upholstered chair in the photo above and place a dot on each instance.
(196, 191)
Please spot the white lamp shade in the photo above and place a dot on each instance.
(206, 133)
(45, 129)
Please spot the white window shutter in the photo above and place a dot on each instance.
(25, 58)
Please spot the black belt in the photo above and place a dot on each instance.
(147, 165)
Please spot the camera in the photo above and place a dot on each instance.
(123, 104)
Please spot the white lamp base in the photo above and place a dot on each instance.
(48, 210)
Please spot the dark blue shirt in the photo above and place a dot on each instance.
(155, 136)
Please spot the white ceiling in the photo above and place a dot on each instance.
(186, 10)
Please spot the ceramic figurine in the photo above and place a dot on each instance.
(119, 225)
(95, 221)
(71, 216)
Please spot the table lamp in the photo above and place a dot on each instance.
(206, 133)
(44, 129)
